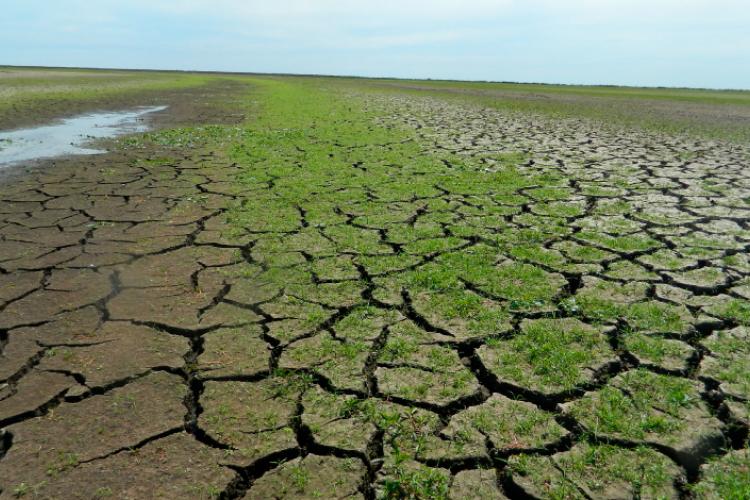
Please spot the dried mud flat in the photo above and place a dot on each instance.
(583, 335)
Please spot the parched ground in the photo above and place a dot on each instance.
(378, 294)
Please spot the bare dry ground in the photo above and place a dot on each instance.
(376, 294)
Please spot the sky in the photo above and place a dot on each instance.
(685, 43)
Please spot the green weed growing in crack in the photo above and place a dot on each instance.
(103, 492)
(21, 490)
(641, 471)
(64, 461)
(289, 382)
(205, 491)
(654, 348)
(300, 478)
(726, 477)
(420, 484)
(641, 404)
(737, 310)
(398, 349)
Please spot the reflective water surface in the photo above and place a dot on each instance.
(70, 136)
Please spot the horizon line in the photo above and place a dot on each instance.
(361, 77)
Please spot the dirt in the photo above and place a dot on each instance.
(727, 115)
(142, 355)
(188, 106)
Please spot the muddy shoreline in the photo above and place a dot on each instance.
(189, 106)
(203, 105)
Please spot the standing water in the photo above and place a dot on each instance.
(69, 136)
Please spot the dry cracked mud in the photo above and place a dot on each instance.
(580, 334)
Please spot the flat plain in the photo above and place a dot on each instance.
(303, 287)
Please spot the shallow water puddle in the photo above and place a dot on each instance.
(70, 136)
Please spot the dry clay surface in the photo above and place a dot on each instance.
(145, 354)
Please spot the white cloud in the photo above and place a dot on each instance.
(552, 40)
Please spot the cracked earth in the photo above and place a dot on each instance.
(580, 331)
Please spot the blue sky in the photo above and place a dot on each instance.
(695, 43)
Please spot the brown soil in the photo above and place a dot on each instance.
(188, 106)
(104, 291)
(726, 115)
